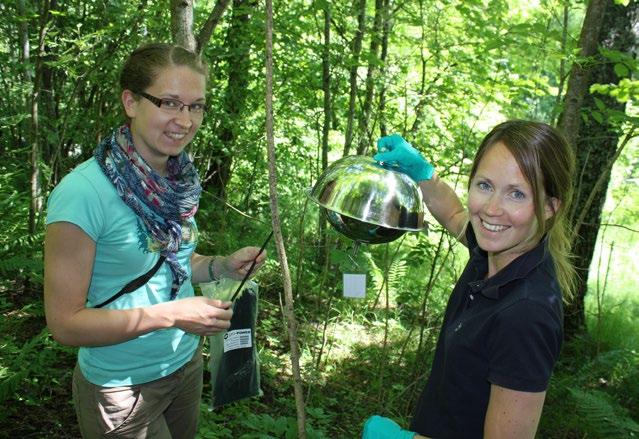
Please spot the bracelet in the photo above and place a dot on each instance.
(212, 277)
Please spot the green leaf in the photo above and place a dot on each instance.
(621, 70)
(597, 116)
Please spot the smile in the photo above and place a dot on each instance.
(176, 136)
(493, 227)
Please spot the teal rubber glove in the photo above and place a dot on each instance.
(396, 153)
(379, 427)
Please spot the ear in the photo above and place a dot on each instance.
(552, 205)
(129, 102)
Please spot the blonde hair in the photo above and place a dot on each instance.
(548, 164)
(147, 61)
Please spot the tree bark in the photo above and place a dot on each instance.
(326, 87)
(357, 49)
(365, 131)
(182, 24)
(579, 81)
(25, 59)
(35, 136)
(277, 231)
(386, 26)
(238, 43)
(597, 147)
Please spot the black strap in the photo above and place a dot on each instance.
(135, 283)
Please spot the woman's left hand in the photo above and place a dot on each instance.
(238, 263)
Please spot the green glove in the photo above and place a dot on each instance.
(397, 153)
(379, 427)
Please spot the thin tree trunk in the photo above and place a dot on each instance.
(326, 87)
(36, 186)
(357, 49)
(365, 131)
(182, 24)
(277, 230)
(386, 26)
(562, 64)
(25, 59)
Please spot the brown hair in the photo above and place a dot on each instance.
(146, 62)
(548, 164)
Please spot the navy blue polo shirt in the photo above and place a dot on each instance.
(506, 330)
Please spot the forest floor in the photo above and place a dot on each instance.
(358, 375)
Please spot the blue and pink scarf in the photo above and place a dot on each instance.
(162, 203)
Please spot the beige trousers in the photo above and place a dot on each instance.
(167, 408)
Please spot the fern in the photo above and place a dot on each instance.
(20, 367)
(601, 416)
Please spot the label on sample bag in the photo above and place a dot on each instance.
(355, 285)
(237, 339)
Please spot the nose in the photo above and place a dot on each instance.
(183, 117)
(493, 205)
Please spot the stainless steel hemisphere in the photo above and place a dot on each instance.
(367, 202)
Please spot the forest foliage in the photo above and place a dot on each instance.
(441, 73)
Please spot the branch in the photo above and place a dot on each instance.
(611, 225)
(210, 25)
(605, 173)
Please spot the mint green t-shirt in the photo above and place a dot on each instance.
(125, 250)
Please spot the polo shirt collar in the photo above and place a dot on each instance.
(517, 269)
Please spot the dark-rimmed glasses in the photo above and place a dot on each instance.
(174, 105)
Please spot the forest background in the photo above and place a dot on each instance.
(441, 73)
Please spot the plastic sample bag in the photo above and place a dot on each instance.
(234, 363)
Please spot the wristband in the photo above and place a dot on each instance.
(212, 277)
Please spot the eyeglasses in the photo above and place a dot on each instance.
(174, 105)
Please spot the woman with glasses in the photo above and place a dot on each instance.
(120, 259)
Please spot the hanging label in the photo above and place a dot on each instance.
(354, 285)
(237, 339)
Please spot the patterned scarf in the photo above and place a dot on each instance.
(162, 203)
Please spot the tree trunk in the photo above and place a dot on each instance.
(25, 59)
(36, 148)
(597, 144)
(326, 87)
(386, 26)
(365, 130)
(238, 43)
(277, 231)
(357, 49)
(182, 24)
(579, 81)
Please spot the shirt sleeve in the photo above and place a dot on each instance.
(76, 200)
(524, 346)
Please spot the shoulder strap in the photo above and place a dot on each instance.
(135, 283)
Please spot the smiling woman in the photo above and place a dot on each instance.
(503, 327)
(120, 259)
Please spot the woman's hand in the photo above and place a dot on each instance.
(237, 264)
(379, 427)
(201, 315)
(396, 153)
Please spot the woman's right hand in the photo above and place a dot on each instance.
(201, 315)
(396, 153)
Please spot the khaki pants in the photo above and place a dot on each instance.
(167, 408)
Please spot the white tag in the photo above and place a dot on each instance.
(355, 285)
(237, 339)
